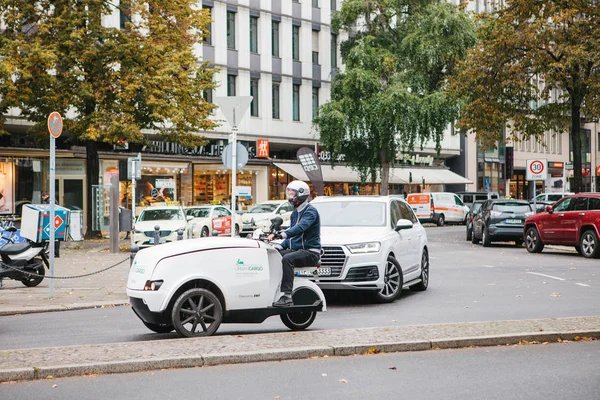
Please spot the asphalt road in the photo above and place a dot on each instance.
(468, 283)
(530, 372)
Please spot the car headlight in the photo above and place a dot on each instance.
(371, 247)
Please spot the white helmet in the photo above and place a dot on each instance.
(297, 192)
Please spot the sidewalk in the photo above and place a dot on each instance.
(55, 362)
(76, 258)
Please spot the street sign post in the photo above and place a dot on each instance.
(134, 172)
(234, 108)
(55, 127)
(537, 170)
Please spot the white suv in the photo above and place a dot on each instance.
(371, 243)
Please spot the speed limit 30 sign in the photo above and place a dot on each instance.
(537, 169)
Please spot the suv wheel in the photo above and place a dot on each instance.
(393, 282)
(590, 248)
(533, 242)
(422, 286)
(486, 238)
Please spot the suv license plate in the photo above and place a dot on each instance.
(513, 221)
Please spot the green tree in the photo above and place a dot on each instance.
(527, 52)
(392, 94)
(110, 84)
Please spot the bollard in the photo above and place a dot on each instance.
(215, 233)
(133, 250)
(156, 234)
(179, 234)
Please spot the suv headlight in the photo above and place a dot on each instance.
(371, 247)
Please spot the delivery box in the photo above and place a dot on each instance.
(35, 222)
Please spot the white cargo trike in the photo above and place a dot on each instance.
(192, 286)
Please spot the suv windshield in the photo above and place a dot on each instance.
(351, 213)
(263, 208)
(511, 207)
(159, 215)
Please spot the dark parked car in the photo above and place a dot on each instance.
(501, 221)
(573, 221)
(469, 220)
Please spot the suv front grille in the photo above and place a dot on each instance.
(334, 258)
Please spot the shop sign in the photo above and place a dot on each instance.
(65, 166)
(598, 170)
(211, 149)
(263, 148)
(414, 159)
(165, 183)
(243, 191)
(328, 156)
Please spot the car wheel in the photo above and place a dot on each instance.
(298, 321)
(422, 286)
(204, 232)
(486, 240)
(237, 230)
(441, 220)
(159, 328)
(590, 248)
(469, 233)
(393, 282)
(533, 242)
(197, 312)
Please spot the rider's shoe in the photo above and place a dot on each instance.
(284, 301)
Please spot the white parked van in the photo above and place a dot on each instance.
(439, 208)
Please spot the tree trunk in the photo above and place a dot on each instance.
(577, 181)
(92, 172)
(385, 178)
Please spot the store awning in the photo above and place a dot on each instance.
(433, 176)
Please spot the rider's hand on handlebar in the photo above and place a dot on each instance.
(274, 236)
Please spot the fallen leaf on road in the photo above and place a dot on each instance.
(491, 284)
(343, 381)
(518, 295)
(277, 397)
(583, 339)
(52, 377)
(323, 374)
(373, 350)
(392, 367)
(540, 330)
(54, 386)
(555, 295)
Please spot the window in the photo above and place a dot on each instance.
(594, 203)
(563, 205)
(254, 94)
(230, 30)
(315, 47)
(579, 204)
(315, 102)
(296, 103)
(333, 5)
(208, 95)
(395, 213)
(458, 201)
(254, 34)
(275, 38)
(275, 93)
(334, 52)
(315, 3)
(407, 212)
(296, 43)
(124, 14)
(208, 39)
(231, 85)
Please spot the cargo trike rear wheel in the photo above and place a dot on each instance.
(298, 321)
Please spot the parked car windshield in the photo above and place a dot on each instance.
(351, 213)
(203, 212)
(511, 207)
(160, 215)
(263, 208)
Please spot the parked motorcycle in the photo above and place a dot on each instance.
(19, 259)
(192, 286)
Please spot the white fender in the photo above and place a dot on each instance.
(306, 283)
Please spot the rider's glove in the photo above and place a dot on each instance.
(277, 236)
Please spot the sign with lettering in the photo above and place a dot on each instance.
(213, 148)
(414, 159)
(262, 146)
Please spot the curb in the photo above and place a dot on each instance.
(68, 307)
(213, 359)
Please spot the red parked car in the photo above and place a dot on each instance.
(572, 221)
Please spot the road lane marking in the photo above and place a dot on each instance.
(547, 276)
(582, 284)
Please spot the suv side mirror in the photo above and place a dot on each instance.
(549, 209)
(403, 224)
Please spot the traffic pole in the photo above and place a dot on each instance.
(233, 177)
(52, 201)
